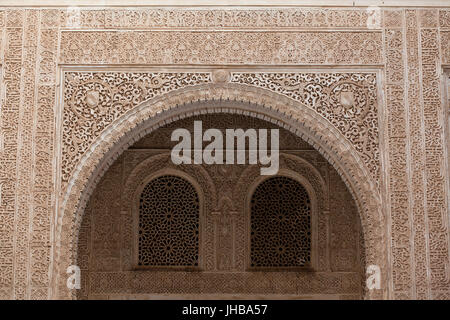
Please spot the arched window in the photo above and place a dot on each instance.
(169, 223)
(280, 219)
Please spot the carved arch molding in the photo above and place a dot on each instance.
(105, 112)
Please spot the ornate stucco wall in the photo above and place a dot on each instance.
(64, 120)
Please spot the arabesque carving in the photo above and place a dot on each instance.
(347, 100)
(93, 100)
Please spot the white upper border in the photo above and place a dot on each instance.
(238, 3)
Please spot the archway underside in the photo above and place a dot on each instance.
(109, 258)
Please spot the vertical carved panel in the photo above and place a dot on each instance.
(417, 161)
(225, 231)
(343, 227)
(398, 180)
(43, 136)
(25, 154)
(229, 231)
(6, 255)
(436, 198)
(445, 45)
(15, 271)
(106, 219)
(85, 250)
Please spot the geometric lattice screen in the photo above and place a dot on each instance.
(169, 223)
(280, 222)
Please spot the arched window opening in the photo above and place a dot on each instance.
(169, 223)
(280, 220)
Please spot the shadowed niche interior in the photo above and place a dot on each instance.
(153, 229)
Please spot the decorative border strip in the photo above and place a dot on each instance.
(220, 47)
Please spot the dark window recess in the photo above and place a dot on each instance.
(169, 223)
(280, 224)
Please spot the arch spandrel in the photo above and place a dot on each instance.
(219, 97)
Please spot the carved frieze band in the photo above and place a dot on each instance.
(163, 18)
(207, 283)
(219, 47)
(226, 18)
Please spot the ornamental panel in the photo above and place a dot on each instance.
(93, 100)
(169, 220)
(347, 100)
